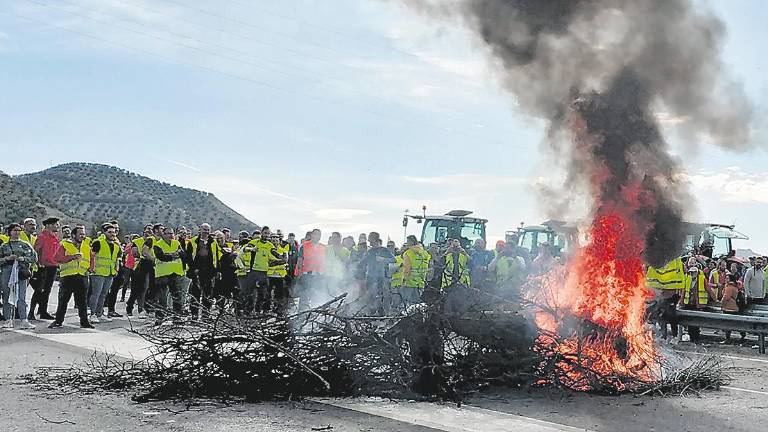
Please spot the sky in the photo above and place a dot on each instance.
(332, 114)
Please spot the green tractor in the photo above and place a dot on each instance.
(706, 240)
(562, 236)
(456, 224)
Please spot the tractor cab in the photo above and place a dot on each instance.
(456, 224)
(710, 240)
(562, 236)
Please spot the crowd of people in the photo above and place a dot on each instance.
(698, 282)
(174, 274)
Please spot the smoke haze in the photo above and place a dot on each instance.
(599, 72)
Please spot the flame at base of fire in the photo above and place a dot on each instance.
(591, 313)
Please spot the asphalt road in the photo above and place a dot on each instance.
(742, 406)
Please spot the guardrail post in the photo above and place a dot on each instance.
(761, 342)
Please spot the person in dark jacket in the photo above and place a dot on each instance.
(225, 285)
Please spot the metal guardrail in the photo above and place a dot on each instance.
(750, 311)
(747, 323)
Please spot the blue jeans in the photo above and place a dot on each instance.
(21, 304)
(99, 289)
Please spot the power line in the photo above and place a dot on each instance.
(245, 78)
(324, 29)
(304, 54)
(251, 25)
(216, 54)
(147, 52)
(162, 39)
(313, 75)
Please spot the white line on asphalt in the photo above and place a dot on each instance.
(745, 390)
(447, 418)
(108, 342)
(726, 356)
(442, 417)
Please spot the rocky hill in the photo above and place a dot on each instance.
(17, 202)
(100, 192)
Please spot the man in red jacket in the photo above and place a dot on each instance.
(47, 248)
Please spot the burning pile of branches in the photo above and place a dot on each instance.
(581, 367)
(428, 353)
(320, 352)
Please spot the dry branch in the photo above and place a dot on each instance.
(429, 352)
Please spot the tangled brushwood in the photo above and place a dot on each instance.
(429, 352)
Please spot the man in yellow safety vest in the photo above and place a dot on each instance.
(75, 263)
(169, 272)
(258, 255)
(668, 283)
(415, 268)
(144, 266)
(278, 274)
(696, 294)
(456, 270)
(106, 252)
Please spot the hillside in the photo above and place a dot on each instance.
(100, 192)
(18, 202)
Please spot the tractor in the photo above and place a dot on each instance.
(456, 224)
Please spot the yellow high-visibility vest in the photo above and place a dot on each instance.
(78, 266)
(258, 256)
(31, 239)
(716, 280)
(398, 277)
(167, 268)
(215, 252)
(669, 277)
(106, 260)
(139, 243)
(335, 263)
(702, 291)
(280, 270)
(463, 270)
(419, 259)
(509, 271)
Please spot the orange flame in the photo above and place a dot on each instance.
(592, 314)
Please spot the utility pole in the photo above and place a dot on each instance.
(405, 225)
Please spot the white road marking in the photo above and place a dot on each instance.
(123, 345)
(442, 417)
(128, 347)
(447, 417)
(437, 416)
(726, 356)
(745, 390)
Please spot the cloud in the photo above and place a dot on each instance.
(732, 184)
(340, 213)
(666, 118)
(474, 70)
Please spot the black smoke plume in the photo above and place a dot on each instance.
(617, 65)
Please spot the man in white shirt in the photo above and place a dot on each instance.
(754, 280)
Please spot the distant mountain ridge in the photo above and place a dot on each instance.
(17, 202)
(746, 253)
(98, 193)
